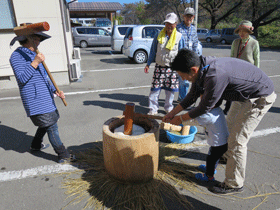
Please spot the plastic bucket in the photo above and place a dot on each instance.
(180, 139)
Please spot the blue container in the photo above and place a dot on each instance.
(180, 139)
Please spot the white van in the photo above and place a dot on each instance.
(118, 33)
(83, 21)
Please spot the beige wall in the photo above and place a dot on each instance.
(54, 49)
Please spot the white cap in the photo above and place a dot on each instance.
(171, 18)
(189, 11)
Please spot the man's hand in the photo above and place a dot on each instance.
(146, 69)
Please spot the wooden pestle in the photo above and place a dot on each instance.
(170, 127)
(128, 118)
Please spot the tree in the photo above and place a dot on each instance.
(264, 12)
(219, 9)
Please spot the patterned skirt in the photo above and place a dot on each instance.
(165, 78)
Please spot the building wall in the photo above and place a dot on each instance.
(55, 49)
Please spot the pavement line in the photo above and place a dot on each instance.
(274, 76)
(60, 168)
(41, 170)
(100, 70)
(85, 92)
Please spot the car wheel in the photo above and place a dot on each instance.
(208, 40)
(223, 41)
(83, 44)
(122, 50)
(140, 57)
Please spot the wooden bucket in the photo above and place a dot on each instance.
(131, 158)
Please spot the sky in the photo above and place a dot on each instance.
(120, 1)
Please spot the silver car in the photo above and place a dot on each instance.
(91, 36)
(213, 35)
(118, 33)
(138, 41)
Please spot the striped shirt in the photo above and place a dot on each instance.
(190, 36)
(36, 90)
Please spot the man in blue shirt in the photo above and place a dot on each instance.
(189, 35)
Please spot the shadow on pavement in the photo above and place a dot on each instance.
(18, 141)
(274, 109)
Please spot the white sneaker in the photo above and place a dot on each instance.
(152, 113)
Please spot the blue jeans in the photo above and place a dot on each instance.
(183, 88)
(52, 134)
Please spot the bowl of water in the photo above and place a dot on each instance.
(175, 137)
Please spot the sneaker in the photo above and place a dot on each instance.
(223, 189)
(152, 113)
(223, 160)
(72, 158)
(202, 168)
(43, 146)
(203, 177)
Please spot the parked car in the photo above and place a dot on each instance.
(138, 41)
(117, 37)
(213, 35)
(201, 32)
(91, 36)
(228, 35)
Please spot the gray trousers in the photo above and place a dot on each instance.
(242, 120)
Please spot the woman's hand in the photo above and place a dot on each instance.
(146, 69)
(60, 94)
(39, 58)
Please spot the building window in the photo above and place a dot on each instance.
(7, 20)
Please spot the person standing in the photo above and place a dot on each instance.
(246, 48)
(189, 34)
(37, 93)
(164, 48)
(229, 79)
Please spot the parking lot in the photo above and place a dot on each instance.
(109, 81)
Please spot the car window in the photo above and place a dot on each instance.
(81, 30)
(128, 32)
(149, 32)
(122, 30)
(92, 31)
(101, 32)
(229, 31)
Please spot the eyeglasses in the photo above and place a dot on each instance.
(188, 16)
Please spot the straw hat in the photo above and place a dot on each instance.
(245, 24)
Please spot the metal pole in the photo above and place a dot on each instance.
(196, 12)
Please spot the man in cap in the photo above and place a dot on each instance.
(189, 34)
(164, 48)
(37, 93)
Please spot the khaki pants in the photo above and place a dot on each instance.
(242, 120)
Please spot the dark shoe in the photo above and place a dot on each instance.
(43, 146)
(72, 158)
(223, 160)
(223, 189)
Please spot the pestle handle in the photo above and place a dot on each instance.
(128, 118)
(186, 130)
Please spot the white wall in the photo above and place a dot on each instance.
(31, 11)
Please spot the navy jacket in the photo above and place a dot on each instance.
(36, 89)
(226, 78)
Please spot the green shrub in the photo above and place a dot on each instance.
(269, 36)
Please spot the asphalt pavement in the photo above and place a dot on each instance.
(110, 80)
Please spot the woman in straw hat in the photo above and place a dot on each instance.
(246, 48)
(37, 93)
